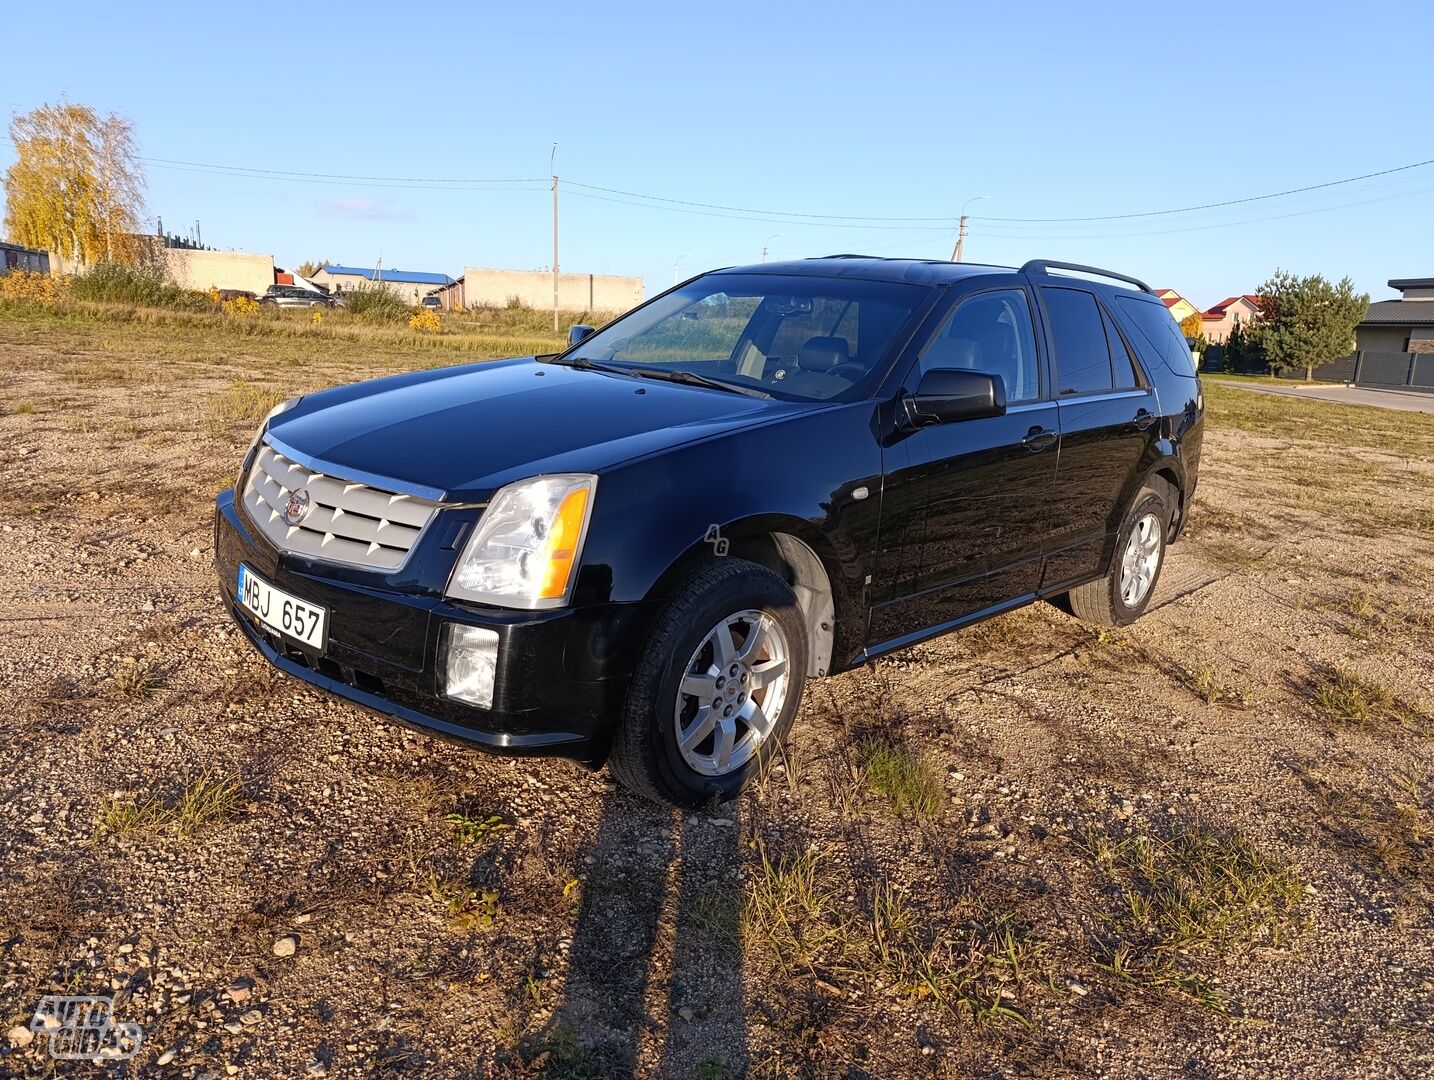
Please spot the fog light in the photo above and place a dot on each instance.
(472, 662)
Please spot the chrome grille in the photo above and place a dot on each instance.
(347, 522)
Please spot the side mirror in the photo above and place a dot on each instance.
(580, 333)
(948, 394)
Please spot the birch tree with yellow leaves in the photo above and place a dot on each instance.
(77, 186)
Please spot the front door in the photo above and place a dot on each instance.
(964, 506)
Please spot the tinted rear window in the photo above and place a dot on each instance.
(1122, 367)
(1161, 336)
(1082, 355)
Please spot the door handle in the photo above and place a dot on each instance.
(1038, 439)
(1143, 419)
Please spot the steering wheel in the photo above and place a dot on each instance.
(849, 370)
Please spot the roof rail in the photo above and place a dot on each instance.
(1046, 265)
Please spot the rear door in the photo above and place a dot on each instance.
(964, 506)
(1108, 421)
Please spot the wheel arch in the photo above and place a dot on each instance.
(1169, 469)
(791, 548)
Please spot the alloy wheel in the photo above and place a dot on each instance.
(731, 693)
(1140, 561)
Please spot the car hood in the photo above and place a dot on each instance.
(464, 432)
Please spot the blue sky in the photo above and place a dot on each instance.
(897, 110)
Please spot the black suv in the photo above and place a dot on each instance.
(639, 550)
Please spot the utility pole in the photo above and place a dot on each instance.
(960, 250)
(960, 241)
(553, 172)
(675, 262)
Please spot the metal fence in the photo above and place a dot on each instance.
(1377, 370)
(1405, 371)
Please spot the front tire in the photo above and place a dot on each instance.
(1121, 597)
(716, 688)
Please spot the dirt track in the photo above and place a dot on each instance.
(1269, 722)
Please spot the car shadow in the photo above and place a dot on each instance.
(655, 983)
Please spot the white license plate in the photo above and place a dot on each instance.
(278, 610)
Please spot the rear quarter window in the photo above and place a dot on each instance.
(1158, 335)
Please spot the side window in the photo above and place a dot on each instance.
(990, 332)
(1121, 364)
(1157, 326)
(1082, 354)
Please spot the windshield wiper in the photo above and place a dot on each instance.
(691, 378)
(582, 363)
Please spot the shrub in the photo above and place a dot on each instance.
(240, 307)
(425, 321)
(147, 286)
(377, 304)
(29, 285)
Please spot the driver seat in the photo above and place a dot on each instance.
(821, 354)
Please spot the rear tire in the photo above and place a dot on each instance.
(700, 689)
(1121, 597)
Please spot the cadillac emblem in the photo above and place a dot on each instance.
(298, 506)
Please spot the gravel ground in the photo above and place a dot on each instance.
(1262, 736)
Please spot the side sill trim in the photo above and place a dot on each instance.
(874, 651)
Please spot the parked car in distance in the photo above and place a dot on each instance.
(294, 296)
(639, 551)
(431, 301)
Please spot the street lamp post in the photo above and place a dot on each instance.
(675, 263)
(767, 241)
(957, 255)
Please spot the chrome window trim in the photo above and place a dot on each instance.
(1106, 395)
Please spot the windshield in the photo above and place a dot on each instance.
(796, 337)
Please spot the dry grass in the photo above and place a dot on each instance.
(1346, 698)
(1210, 687)
(1389, 832)
(1320, 423)
(971, 960)
(791, 909)
(182, 336)
(904, 776)
(243, 401)
(1179, 895)
(978, 967)
(204, 800)
(137, 678)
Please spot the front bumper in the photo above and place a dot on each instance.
(561, 675)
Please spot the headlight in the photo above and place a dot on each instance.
(526, 548)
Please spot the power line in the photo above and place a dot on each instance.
(746, 217)
(1216, 205)
(750, 210)
(741, 213)
(997, 234)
